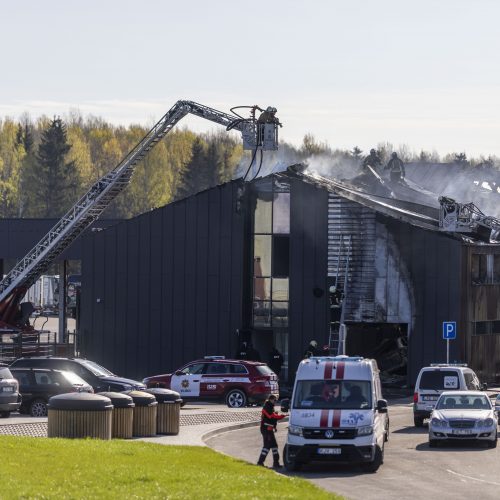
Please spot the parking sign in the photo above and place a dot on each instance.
(449, 330)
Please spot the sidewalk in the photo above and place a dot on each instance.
(197, 422)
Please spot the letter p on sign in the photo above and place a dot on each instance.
(449, 330)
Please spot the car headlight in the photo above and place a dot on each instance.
(488, 422)
(437, 422)
(295, 430)
(366, 430)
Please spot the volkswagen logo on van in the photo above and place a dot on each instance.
(329, 434)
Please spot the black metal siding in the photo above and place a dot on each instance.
(308, 269)
(169, 284)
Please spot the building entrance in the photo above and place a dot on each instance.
(385, 342)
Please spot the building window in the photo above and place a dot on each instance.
(496, 268)
(486, 328)
(271, 255)
(479, 269)
(485, 269)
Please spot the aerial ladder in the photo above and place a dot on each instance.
(467, 219)
(257, 133)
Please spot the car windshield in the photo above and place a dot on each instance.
(5, 373)
(324, 394)
(463, 402)
(73, 378)
(439, 380)
(97, 370)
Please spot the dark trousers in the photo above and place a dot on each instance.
(269, 443)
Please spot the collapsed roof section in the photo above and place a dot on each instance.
(401, 200)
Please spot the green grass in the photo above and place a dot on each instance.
(66, 468)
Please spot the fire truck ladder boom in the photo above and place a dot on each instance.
(90, 206)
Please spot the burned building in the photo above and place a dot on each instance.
(280, 261)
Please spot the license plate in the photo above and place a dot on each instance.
(329, 451)
(8, 389)
(429, 398)
(462, 432)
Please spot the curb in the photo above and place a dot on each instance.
(229, 428)
(235, 427)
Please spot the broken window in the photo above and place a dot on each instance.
(496, 268)
(479, 269)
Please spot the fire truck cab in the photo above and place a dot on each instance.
(337, 413)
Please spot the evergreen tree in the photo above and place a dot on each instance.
(195, 177)
(57, 178)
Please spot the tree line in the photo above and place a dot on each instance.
(47, 164)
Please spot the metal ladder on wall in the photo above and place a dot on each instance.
(337, 310)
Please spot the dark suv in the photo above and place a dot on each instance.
(38, 385)
(10, 399)
(95, 375)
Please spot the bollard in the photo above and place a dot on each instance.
(123, 414)
(169, 406)
(79, 415)
(145, 413)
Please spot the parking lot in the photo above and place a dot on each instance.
(411, 469)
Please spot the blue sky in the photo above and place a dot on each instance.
(424, 74)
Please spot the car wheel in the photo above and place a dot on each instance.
(374, 465)
(38, 408)
(290, 465)
(433, 443)
(418, 421)
(5, 414)
(236, 399)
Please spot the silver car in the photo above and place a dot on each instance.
(10, 399)
(464, 415)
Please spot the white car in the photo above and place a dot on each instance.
(464, 415)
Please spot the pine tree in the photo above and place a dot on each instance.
(194, 178)
(57, 178)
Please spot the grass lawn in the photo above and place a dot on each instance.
(71, 468)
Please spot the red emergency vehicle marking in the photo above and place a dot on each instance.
(323, 422)
(336, 418)
(328, 370)
(339, 374)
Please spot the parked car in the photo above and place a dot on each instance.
(435, 379)
(236, 382)
(38, 385)
(464, 415)
(95, 375)
(10, 398)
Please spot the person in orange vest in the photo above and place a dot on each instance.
(269, 420)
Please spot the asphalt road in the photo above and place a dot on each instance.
(411, 469)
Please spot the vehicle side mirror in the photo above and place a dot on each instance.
(429, 408)
(484, 386)
(179, 373)
(285, 405)
(382, 406)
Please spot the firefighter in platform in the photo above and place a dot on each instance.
(268, 423)
(396, 168)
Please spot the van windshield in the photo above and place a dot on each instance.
(326, 394)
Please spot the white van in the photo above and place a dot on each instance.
(337, 413)
(437, 378)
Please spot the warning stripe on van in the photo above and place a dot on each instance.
(324, 420)
(339, 370)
